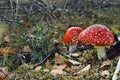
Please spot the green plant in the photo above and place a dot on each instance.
(40, 43)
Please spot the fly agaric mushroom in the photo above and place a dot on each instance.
(71, 37)
(98, 35)
(115, 77)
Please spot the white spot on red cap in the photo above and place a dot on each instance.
(97, 35)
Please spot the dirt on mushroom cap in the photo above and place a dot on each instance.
(97, 34)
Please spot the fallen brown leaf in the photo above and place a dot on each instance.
(26, 22)
(64, 49)
(105, 73)
(85, 70)
(60, 67)
(37, 69)
(106, 63)
(27, 49)
(7, 50)
(58, 59)
(4, 73)
(73, 70)
(57, 72)
(47, 64)
(7, 38)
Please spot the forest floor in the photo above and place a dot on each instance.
(28, 36)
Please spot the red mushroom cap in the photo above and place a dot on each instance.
(71, 35)
(97, 34)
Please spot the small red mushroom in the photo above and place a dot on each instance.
(71, 37)
(98, 35)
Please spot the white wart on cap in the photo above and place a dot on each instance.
(98, 35)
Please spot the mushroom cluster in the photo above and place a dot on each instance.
(71, 37)
(99, 36)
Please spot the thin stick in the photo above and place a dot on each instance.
(17, 5)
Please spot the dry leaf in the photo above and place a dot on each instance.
(57, 72)
(58, 59)
(85, 70)
(74, 62)
(4, 73)
(37, 69)
(64, 49)
(73, 70)
(11, 75)
(7, 50)
(105, 73)
(47, 64)
(75, 55)
(60, 67)
(27, 49)
(7, 38)
(26, 22)
(106, 63)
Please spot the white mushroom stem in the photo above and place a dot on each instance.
(101, 52)
(72, 47)
(118, 37)
(116, 71)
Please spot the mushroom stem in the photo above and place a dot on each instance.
(101, 52)
(118, 37)
(116, 71)
(72, 47)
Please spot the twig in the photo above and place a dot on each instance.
(43, 61)
(3, 72)
(17, 5)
